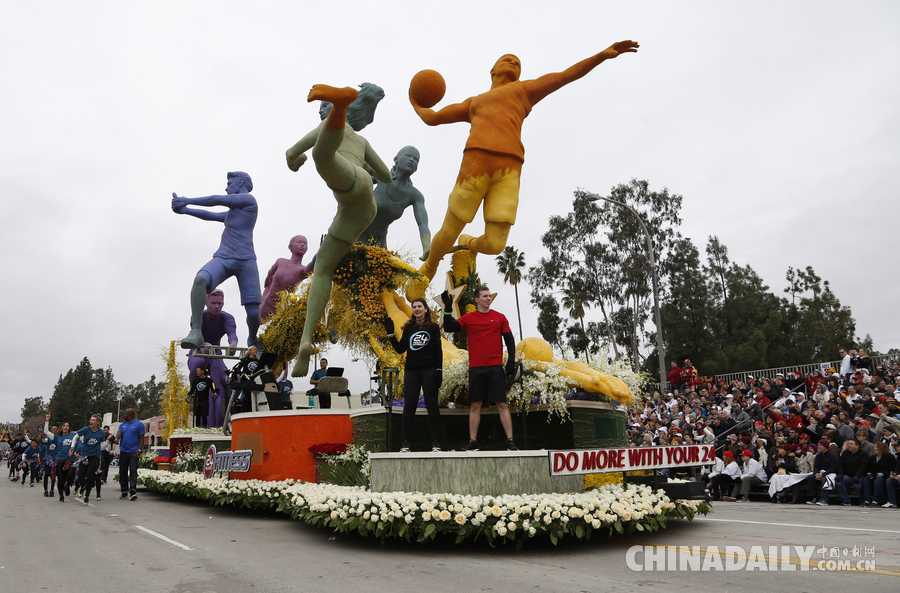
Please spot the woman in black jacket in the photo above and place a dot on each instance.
(421, 340)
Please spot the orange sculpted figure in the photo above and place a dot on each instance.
(493, 156)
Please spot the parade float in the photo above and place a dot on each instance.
(568, 415)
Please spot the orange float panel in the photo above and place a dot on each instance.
(281, 440)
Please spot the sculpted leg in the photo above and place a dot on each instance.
(339, 174)
(441, 244)
(329, 257)
(491, 242)
(396, 308)
(252, 323)
(194, 339)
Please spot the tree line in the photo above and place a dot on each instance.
(84, 391)
(594, 289)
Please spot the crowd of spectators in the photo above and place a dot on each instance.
(836, 430)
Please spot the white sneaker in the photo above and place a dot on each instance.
(822, 503)
(889, 505)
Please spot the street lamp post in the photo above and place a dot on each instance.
(119, 409)
(659, 339)
(369, 373)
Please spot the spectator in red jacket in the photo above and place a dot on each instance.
(674, 376)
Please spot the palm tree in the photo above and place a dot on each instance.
(510, 263)
(575, 301)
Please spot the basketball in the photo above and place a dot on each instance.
(427, 88)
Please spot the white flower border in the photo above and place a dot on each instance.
(420, 517)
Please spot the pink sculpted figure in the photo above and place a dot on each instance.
(286, 274)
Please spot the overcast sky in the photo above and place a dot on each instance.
(777, 122)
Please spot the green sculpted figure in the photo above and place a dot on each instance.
(346, 162)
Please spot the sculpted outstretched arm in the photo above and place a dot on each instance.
(448, 115)
(540, 87)
(180, 206)
(418, 204)
(231, 330)
(296, 154)
(312, 264)
(271, 273)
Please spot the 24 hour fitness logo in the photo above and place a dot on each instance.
(226, 461)
(419, 340)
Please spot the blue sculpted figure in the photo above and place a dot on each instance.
(235, 256)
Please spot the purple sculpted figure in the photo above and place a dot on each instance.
(235, 256)
(285, 274)
(216, 324)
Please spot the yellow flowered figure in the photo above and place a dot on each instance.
(577, 373)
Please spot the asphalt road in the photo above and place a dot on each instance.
(119, 545)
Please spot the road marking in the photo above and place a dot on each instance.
(798, 525)
(162, 537)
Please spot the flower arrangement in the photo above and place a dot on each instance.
(174, 397)
(146, 460)
(249, 494)
(350, 467)
(328, 448)
(538, 387)
(284, 327)
(189, 461)
(160, 459)
(506, 519)
(363, 279)
(366, 271)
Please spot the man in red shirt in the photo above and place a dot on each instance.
(487, 383)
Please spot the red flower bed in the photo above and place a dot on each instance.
(328, 449)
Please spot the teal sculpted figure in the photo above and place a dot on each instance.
(341, 157)
(396, 197)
